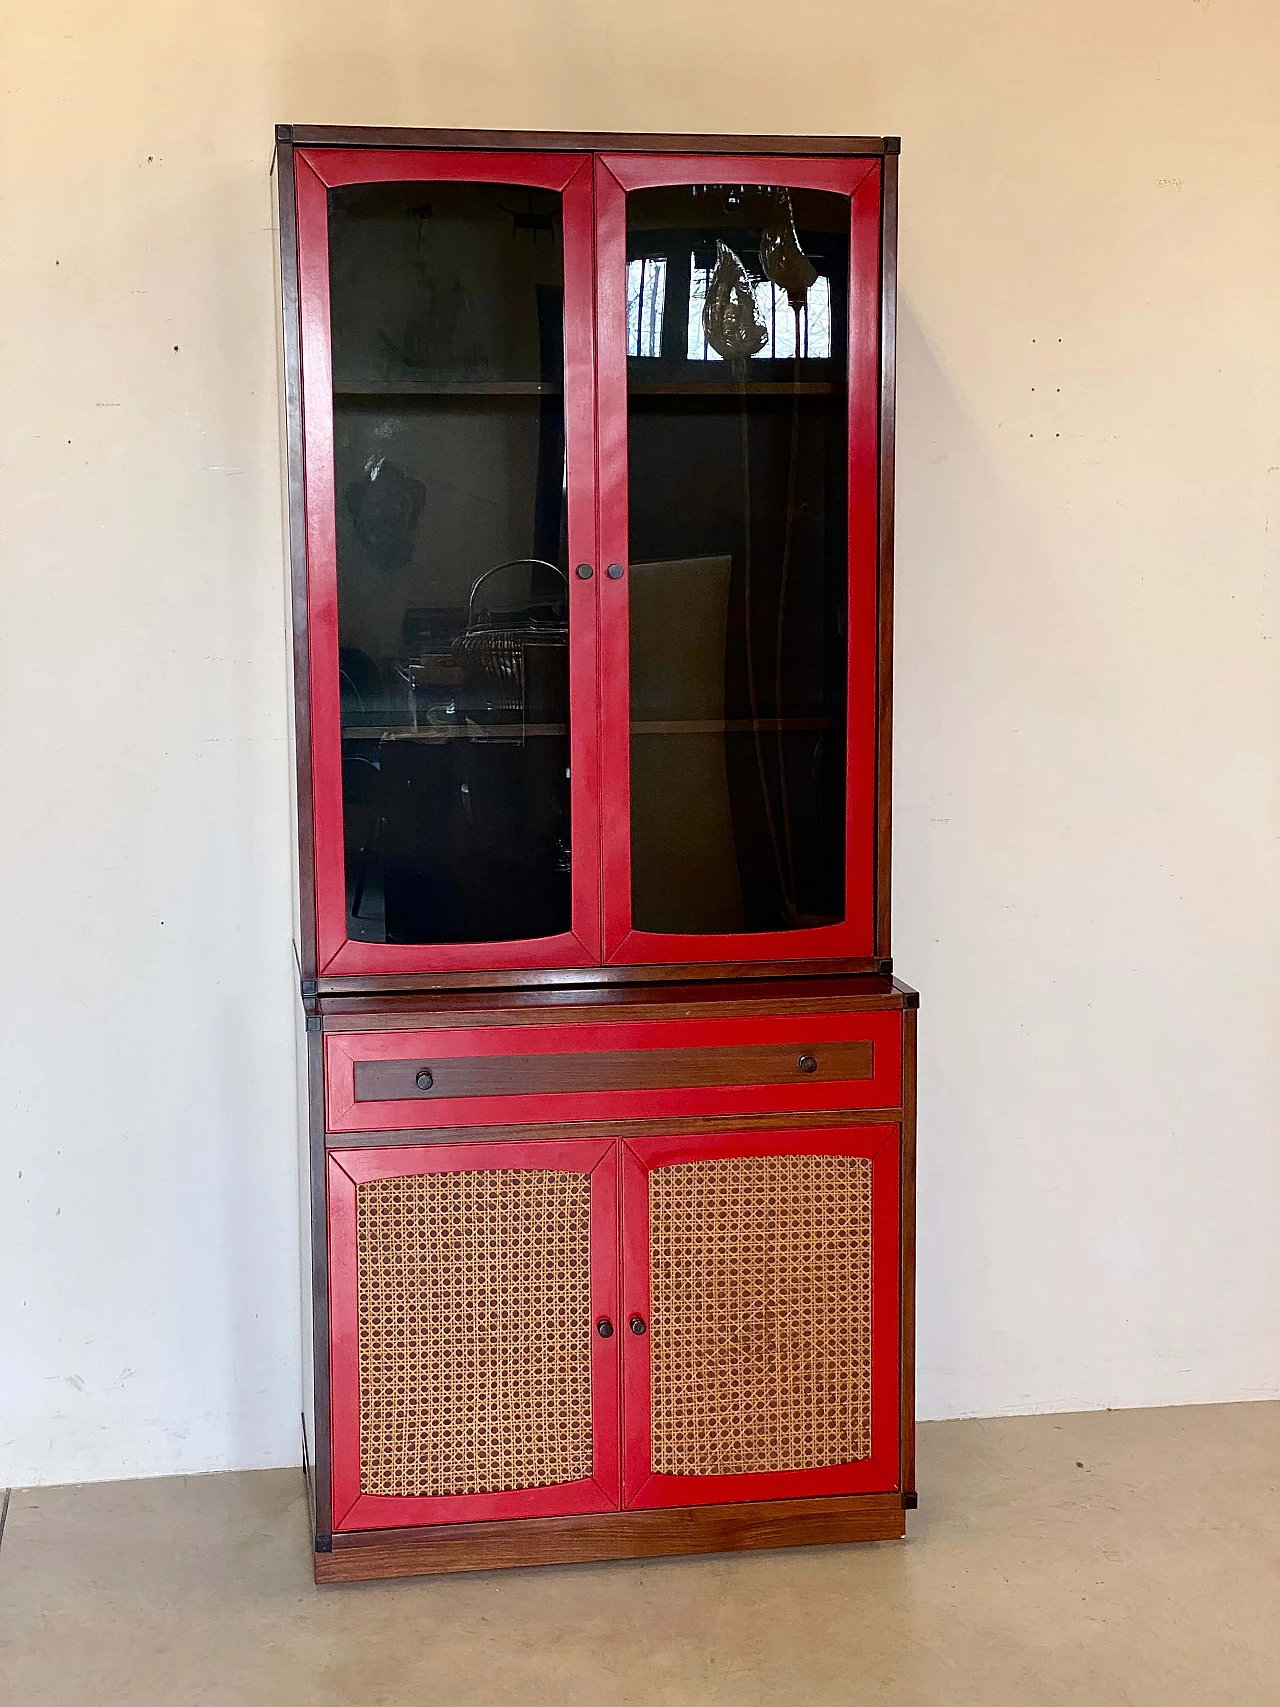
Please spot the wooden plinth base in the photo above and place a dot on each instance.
(610, 1535)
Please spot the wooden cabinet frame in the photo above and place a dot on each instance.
(602, 1048)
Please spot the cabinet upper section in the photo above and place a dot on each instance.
(590, 497)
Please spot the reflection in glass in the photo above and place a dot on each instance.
(447, 310)
(738, 453)
(646, 305)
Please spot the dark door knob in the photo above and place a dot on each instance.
(604, 1327)
(808, 1064)
(583, 571)
(637, 1324)
(424, 1081)
(614, 571)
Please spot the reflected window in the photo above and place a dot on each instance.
(646, 305)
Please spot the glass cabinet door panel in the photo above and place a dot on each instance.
(737, 302)
(452, 562)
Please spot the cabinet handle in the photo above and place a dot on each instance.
(424, 1080)
(807, 1064)
(583, 571)
(614, 571)
(604, 1327)
(637, 1324)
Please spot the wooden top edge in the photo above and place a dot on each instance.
(565, 978)
(619, 142)
(809, 995)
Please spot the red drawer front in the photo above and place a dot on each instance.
(384, 1081)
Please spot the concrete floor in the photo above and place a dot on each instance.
(1111, 1558)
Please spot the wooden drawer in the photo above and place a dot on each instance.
(378, 1081)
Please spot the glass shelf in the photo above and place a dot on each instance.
(731, 726)
(452, 732)
(377, 389)
(732, 388)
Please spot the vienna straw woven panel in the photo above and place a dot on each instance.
(474, 1307)
(760, 1314)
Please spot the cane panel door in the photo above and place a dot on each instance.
(472, 1311)
(760, 1295)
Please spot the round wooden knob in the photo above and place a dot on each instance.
(424, 1081)
(604, 1327)
(808, 1064)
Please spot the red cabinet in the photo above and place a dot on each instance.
(485, 1365)
(607, 1087)
(592, 520)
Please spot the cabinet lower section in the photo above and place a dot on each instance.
(606, 1339)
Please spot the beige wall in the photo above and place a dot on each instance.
(1088, 686)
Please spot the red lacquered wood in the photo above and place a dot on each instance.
(349, 1168)
(860, 180)
(317, 170)
(806, 1032)
(880, 1472)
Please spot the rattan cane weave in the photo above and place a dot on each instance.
(760, 1314)
(474, 1311)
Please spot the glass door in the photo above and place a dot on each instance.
(738, 309)
(448, 402)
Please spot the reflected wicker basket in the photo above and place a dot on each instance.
(515, 667)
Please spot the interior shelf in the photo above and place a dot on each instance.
(641, 726)
(381, 732)
(731, 726)
(375, 389)
(731, 388)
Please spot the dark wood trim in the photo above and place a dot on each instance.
(611, 1535)
(316, 1163)
(413, 1017)
(295, 513)
(884, 662)
(907, 1348)
(349, 1012)
(910, 997)
(612, 1070)
(560, 977)
(694, 1126)
(545, 141)
(308, 1479)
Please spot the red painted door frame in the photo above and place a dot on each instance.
(880, 1472)
(318, 170)
(349, 1168)
(860, 180)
